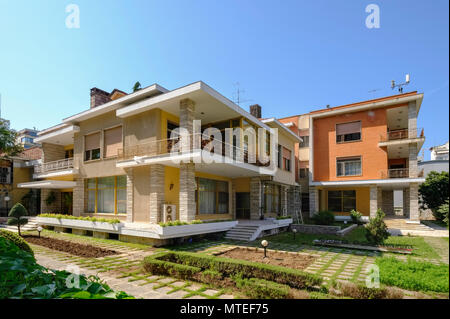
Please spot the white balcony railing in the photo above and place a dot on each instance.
(54, 166)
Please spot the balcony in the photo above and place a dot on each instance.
(55, 168)
(399, 173)
(403, 134)
(168, 147)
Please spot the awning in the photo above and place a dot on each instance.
(48, 184)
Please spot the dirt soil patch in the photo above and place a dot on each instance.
(283, 259)
(66, 246)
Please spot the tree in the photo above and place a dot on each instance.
(434, 192)
(376, 229)
(8, 144)
(443, 210)
(137, 86)
(16, 214)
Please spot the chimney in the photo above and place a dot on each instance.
(255, 110)
(99, 97)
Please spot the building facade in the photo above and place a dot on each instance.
(118, 159)
(26, 138)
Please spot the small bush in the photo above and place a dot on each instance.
(16, 239)
(87, 218)
(323, 217)
(356, 217)
(262, 289)
(376, 229)
(17, 216)
(443, 211)
(162, 267)
(356, 291)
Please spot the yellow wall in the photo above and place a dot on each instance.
(242, 185)
(172, 176)
(164, 118)
(362, 199)
(20, 175)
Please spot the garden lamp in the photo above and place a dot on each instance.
(39, 229)
(294, 231)
(265, 243)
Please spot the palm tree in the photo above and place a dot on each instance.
(137, 86)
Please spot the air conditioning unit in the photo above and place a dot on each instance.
(169, 213)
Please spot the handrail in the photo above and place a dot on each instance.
(54, 165)
(395, 173)
(402, 134)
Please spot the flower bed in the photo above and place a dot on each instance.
(87, 223)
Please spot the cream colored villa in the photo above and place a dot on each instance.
(115, 160)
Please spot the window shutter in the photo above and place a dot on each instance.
(113, 141)
(92, 141)
(348, 128)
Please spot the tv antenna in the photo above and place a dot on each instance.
(238, 95)
(400, 85)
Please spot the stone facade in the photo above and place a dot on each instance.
(414, 201)
(313, 201)
(156, 192)
(54, 207)
(406, 202)
(130, 194)
(284, 201)
(387, 202)
(187, 192)
(373, 200)
(79, 198)
(413, 170)
(52, 152)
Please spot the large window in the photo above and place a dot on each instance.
(280, 155)
(303, 172)
(92, 146)
(347, 132)
(113, 141)
(212, 196)
(107, 195)
(286, 159)
(350, 166)
(341, 201)
(272, 201)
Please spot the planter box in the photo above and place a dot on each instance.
(193, 229)
(284, 222)
(80, 224)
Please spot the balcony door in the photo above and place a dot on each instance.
(243, 205)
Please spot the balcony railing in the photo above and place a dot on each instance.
(402, 134)
(399, 173)
(54, 166)
(175, 146)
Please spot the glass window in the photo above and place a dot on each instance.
(348, 166)
(347, 132)
(305, 141)
(341, 201)
(212, 196)
(92, 146)
(272, 198)
(107, 195)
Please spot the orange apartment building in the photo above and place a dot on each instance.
(355, 156)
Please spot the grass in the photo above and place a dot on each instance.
(420, 247)
(413, 275)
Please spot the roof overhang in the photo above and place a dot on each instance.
(372, 105)
(144, 93)
(51, 184)
(62, 136)
(277, 124)
(210, 105)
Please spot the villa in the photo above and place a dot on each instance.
(117, 160)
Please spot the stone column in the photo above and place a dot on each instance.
(130, 194)
(157, 175)
(284, 201)
(188, 207)
(233, 199)
(414, 202)
(255, 197)
(313, 200)
(373, 200)
(187, 108)
(406, 202)
(412, 120)
(379, 198)
(387, 202)
(54, 207)
(413, 160)
(79, 198)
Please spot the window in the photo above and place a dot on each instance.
(348, 166)
(305, 141)
(107, 194)
(347, 132)
(341, 201)
(286, 159)
(272, 198)
(68, 153)
(212, 196)
(170, 127)
(113, 141)
(92, 146)
(303, 173)
(27, 140)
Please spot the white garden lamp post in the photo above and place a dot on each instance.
(265, 243)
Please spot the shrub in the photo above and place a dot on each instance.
(16, 216)
(414, 275)
(443, 211)
(376, 229)
(262, 289)
(87, 218)
(434, 191)
(16, 239)
(231, 267)
(356, 217)
(23, 278)
(162, 267)
(323, 217)
(283, 217)
(358, 291)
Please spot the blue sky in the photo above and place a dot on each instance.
(291, 57)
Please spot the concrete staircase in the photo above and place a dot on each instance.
(243, 232)
(399, 223)
(30, 226)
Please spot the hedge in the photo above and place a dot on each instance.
(232, 267)
(87, 218)
(262, 289)
(16, 239)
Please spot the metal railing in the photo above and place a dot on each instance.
(176, 146)
(402, 134)
(54, 166)
(395, 173)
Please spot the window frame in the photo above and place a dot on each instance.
(96, 189)
(350, 141)
(304, 144)
(217, 191)
(102, 141)
(342, 198)
(287, 162)
(348, 159)
(90, 151)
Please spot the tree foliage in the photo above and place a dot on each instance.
(8, 144)
(16, 216)
(434, 192)
(136, 86)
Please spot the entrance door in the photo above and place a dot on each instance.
(242, 205)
